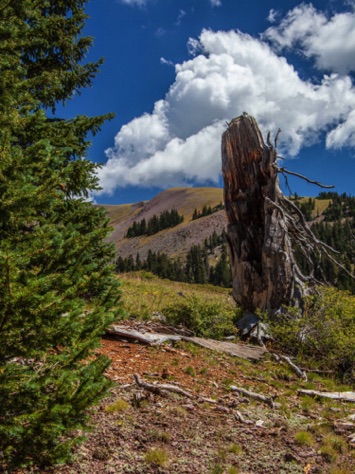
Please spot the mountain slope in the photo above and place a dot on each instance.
(175, 241)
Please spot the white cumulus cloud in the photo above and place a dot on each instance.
(343, 134)
(178, 143)
(331, 41)
(216, 3)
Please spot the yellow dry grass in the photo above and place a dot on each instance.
(117, 212)
(320, 205)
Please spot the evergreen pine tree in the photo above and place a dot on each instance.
(58, 291)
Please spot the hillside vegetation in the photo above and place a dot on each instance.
(194, 250)
(175, 241)
(134, 431)
(76, 399)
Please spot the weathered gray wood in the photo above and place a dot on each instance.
(253, 353)
(255, 396)
(161, 389)
(343, 396)
(244, 351)
(301, 373)
(265, 274)
(264, 227)
(144, 338)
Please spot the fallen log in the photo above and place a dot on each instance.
(253, 353)
(244, 351)
(342, 396)
(159, 389)
(145, 338)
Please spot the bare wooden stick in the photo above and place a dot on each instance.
(235, 349)
(255, 396)
(160, 389)
(299, 372)
(343, 396)
(241, 418)
(319, 371)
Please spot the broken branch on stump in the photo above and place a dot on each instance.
(255, 396)
(284, 170)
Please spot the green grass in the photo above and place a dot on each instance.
(118, 406)
(158, 435)
(304, 438)
(190, 371)
(157, 456)
(332, 447)
(118, 212)
(233, 470)
(144, 293)
(235, 449)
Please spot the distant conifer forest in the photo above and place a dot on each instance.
(155, 224)
(335, 226)
(195, 268)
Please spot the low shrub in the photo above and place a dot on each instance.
(205, 318)
(324, 334)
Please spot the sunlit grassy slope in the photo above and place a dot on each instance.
(143, 294)
(185, 200)
(178, 240)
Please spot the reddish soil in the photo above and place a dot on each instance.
(193, 436)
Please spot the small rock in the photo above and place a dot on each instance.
(247, 323)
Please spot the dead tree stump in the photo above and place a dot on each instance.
(259, 233)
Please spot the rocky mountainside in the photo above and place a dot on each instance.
(174, 241)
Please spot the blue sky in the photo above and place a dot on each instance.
(176, 70)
